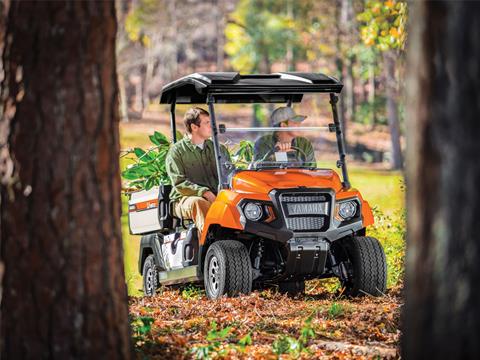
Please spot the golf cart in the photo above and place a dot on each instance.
(277, 218)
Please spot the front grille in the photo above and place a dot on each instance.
(306, 211)
(305, 223)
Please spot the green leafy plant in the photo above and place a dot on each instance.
(243, 155)
(141, 327)
(289, 345)
(285, 344)
(245, 341)
(148, 169)
(191, 292)
(335, 310)
(214, 338)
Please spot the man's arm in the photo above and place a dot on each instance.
(260, 149)
(176, 172)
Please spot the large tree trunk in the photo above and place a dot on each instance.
(64, 293)
(396, 161)
(339, 61)
(443, 176)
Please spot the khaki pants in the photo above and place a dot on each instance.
(194, 208)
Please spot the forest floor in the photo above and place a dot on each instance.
(181, 323)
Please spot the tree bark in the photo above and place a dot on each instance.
(347, 26)
(64, 293)
(371, 93)
(339, 61)
(442, 273)
(396, 161)
(220, 32)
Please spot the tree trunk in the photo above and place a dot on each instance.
(123, 98)
(442, 273)
(396, 160)
(220, 32)
(64, 291)
(371, 93)
(289, 53)
(347, 32)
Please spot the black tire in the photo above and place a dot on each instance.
(227, 269)
(150, 276)
(292, 288)
(368, 265)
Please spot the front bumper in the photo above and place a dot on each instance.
(304, 252)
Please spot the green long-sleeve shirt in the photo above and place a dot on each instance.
(266, 144)
(192, 170)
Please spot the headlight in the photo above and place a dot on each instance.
(347, 209)
(253, 211)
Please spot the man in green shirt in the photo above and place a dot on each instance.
(296, 149)
(191, 166)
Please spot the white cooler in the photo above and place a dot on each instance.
(143, 213)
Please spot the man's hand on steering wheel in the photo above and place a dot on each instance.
(283, 146)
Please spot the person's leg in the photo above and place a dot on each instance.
(194, 208)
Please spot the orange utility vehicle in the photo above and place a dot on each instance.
(278, 218)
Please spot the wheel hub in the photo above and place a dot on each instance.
(149, 281)
(213, 275)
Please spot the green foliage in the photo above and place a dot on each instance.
(336, 310)
(243, 154)
(148, 169)
(141, 327)
(365, 112)
(144, 15)
(257, 34)
(192, 292)
(245, 341)
(384, 24)
(214, 338)
(392, 231)
(289, 345)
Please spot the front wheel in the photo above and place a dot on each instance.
(368, 267)
(150, 276)
(227, 269)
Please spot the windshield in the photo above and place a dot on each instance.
(295, 139)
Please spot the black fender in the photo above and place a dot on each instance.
(150, 244)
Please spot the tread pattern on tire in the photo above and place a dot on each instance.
(238, 269)
(370, 266)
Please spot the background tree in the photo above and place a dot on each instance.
(442, 273)
(64, 288)
(384, 28)
(258, 33)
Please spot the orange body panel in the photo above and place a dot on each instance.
(257, 185)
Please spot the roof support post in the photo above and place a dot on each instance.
(173, 125)
(341, 163)
(216, 146)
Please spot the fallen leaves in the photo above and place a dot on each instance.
(266, 325)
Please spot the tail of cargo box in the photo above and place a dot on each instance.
(148, 210)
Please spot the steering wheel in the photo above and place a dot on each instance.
(274, 150)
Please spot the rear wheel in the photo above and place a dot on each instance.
(227, 269)
(150, 276)
(292, 288)
(367, 267)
